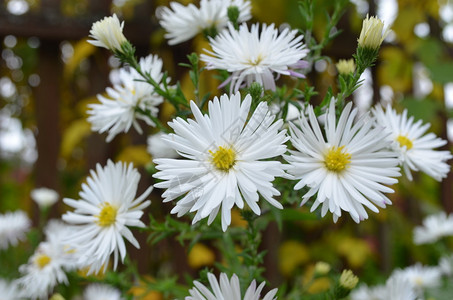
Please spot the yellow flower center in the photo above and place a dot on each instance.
(107, 216)
(255, 61)
(336, 160)
(404, 141)
(42, 260)
(224, 158)
(418, 281)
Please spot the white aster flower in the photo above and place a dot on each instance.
(9, 290)
(253, 56)
(399, 287)
(101, 292)
(225, 159)
(414, 147)
(434, 228)
(446, 265)
(372, 33)
(44, 197)
(46, 267)
(225, 289)
(420, 277)
(118, 112)
(158, 148)
(103, 214)
(108, 33)
(365, 292)
(346, 167)
(184, 22)
(13, 226)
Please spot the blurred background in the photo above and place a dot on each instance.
(49, 74)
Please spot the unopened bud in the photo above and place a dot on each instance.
(345, 66)
(322, 268)
(348, 280)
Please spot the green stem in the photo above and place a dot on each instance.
(156, 121)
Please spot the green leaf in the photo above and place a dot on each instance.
(424, 109)
(441, 72)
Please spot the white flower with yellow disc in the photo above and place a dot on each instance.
(227, 159)
(414, 148)
(103, 214)
(346, 167)
(47, 266)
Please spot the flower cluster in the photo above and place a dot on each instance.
(48, 265)
(235, 152)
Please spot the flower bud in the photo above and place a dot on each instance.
(372, 33)
(348, 280)
(44, 197)
(322, 268)
(345, 66)
(108, 33)
(57, 297)
(345, 284)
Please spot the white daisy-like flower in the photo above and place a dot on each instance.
(347, 167)
(108, 33)
(119, 111)
(101, 292)
(103, 214)
(254, 56)
(225, 289)
(365, 292)
(9, 290)
(434, 228)
(414, 147)
(420, 276)
(446, 265)
(44, 197)
(46, 267)
(13, 226)
(399, 287)
(184, 22)
(158, 148)
(225, 159)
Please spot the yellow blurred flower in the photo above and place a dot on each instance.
(141, 292)
(237, 220)
(319, 285)
(315, 285)
(291, 255)
(200, 256)
(100, 275)
(355, 251)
